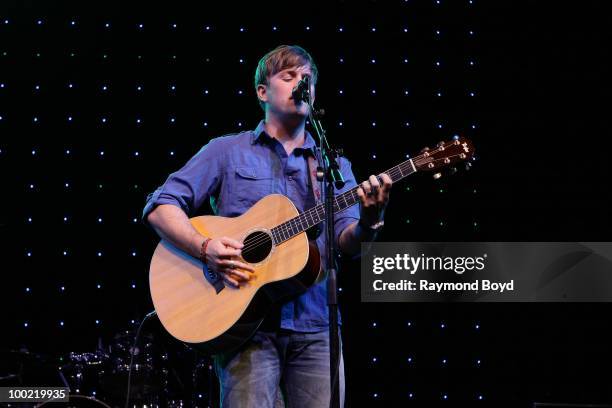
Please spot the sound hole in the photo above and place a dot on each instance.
(257, 247)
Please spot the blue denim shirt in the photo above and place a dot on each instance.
(235, 171)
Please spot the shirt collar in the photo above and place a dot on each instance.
(309, 143)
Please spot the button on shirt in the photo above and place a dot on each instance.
(235, 171)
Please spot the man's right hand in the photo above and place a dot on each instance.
(222, 256)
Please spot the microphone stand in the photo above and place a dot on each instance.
(333, 178)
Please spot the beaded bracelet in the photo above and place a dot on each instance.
(203, 250)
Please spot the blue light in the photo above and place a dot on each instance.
(374, 359)
(307, 28)
(29, 254)
(444, 396)
(442, 325)
(373, 61)
(107, 25)
(37, 87)
(102, 153)
(99, 254)
(141, 26)
(69, 118)
(25, 324)
(103, 120)
(62, 324)
(174, 25)
(274, 28)
(72, 22)
(340, 29)
(39, 22)
(104, 87)
(27, 289)
(97, 322)
(241, 29)
(29, 219)
(133, 253)
(99, 286)
(35, 119)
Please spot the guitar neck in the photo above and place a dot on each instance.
(316, 215)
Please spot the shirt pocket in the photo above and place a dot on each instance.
(251, 184)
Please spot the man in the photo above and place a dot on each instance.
(291, 348)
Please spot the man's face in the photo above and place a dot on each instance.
(278, 94)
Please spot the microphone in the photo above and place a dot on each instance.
(301, 92)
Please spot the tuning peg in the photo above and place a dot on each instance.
(425, 149)
(440, 145)
(437, 176)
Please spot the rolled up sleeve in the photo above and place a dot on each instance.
(189, 187)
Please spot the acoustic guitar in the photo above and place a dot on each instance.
(196, 307)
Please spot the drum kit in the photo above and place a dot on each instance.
(159, 377)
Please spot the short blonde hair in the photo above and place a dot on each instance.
(282, 57)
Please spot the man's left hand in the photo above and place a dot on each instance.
(374, 198)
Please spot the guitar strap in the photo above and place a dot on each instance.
(314, 164)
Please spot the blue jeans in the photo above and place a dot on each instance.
(276, 369)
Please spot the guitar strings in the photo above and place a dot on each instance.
(286, 228)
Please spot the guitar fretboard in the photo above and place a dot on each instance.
(316, 215)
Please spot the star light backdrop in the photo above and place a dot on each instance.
(98, 106)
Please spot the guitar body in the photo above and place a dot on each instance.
(212, 320)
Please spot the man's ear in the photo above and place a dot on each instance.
(262, 92)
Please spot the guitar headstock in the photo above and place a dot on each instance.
(444, 154)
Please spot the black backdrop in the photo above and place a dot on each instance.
(96, 110)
